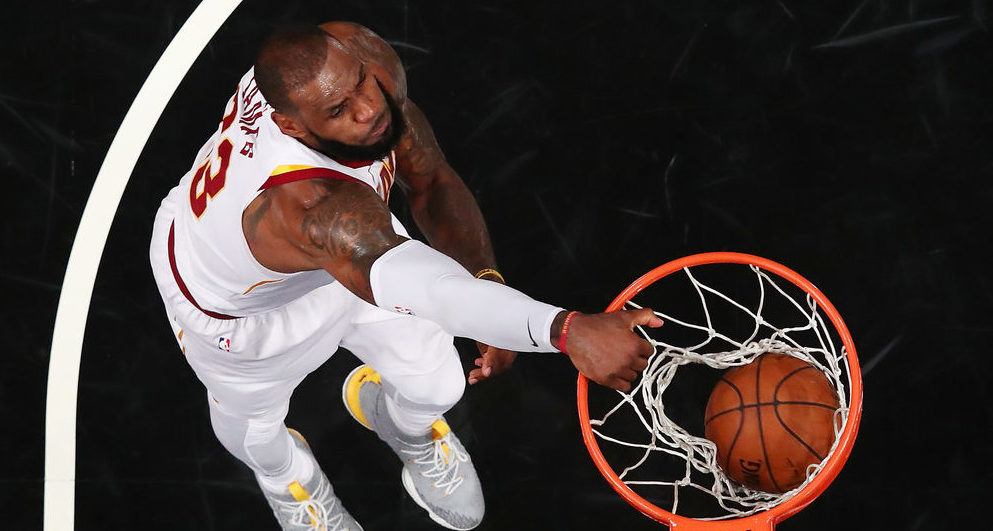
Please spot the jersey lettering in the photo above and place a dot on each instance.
(248, 149)
(213, 183)
(386, 177)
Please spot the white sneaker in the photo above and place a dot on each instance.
(437, 471)
(312, 505)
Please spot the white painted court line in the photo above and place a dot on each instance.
(87, 248)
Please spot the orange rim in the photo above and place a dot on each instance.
(765, 519)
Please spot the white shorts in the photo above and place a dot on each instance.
(251, 365)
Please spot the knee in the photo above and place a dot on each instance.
(448, 391)
(259, 441)
(438, 391)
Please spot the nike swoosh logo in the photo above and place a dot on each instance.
(533, 342)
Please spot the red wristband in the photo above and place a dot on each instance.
(565, 330)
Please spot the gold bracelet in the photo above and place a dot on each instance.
(490, 271)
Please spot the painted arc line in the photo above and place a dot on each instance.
(87, 248)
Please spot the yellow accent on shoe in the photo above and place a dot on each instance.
(313, 520)
(439, 429)
(297, 434)
(299, 493)
(361, 376)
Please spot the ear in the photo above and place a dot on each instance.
(288, 125)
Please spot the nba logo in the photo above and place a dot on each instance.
(224, 344)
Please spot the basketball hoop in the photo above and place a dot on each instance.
(663, 457)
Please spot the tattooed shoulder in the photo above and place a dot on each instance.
(349, 223)
(254, 214)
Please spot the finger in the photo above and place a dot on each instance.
(475, 375)
(487, 371)
(645, 349)
(618, 384)
(627, 374)
(504, 358)
(479, 362)
(645, 316)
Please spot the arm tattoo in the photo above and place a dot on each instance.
(253, 216)
(420, 148)
(349, 229)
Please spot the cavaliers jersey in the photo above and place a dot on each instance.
(208, 252)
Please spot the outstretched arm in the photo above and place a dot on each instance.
(346, 229)
(448, 215)
(441, 204)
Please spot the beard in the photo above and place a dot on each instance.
(340, 151)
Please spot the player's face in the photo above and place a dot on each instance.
(347, 112)
(377, 150)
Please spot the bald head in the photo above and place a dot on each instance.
(290, 58)
(327, 96)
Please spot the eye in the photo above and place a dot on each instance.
(336, 111)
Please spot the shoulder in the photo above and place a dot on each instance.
(375, 52)
(276, 147)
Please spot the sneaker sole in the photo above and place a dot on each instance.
(408, 485)
(359, 374)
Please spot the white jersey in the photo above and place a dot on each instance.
(208, 252)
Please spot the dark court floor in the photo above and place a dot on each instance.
(849, 140)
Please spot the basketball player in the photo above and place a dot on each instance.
(278, 246)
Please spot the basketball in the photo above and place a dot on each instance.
(770, 420)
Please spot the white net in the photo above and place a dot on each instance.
(801, 331)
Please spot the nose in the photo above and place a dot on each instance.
(365, 110)
(369, 102)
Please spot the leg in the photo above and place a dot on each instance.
(249, 388)
(415, 402)
(416, 360)
(250, 383)
(421, 379)
(264, 444)
(298, 492)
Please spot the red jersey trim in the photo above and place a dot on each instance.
(363, 163)
(179, 280)
(353, 164)
(309, 173)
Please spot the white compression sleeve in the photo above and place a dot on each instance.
(414, 278)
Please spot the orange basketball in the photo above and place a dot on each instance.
(770, 420)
